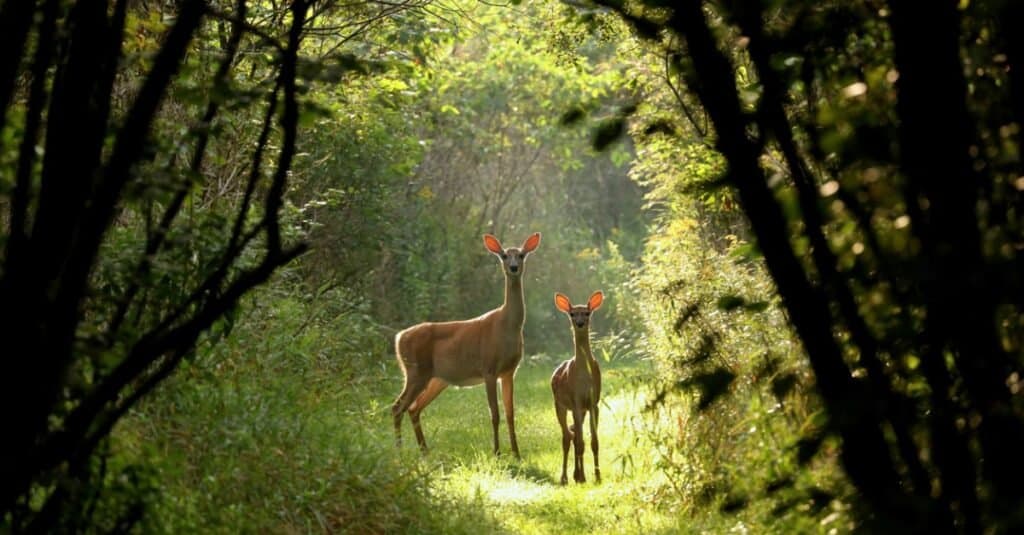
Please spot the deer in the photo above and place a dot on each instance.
(486, 349)
(576, 386)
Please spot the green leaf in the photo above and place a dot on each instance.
(572, 116)
(730, 302)
(808, 447)
(783, 385)
(608, 132)
(712, 385)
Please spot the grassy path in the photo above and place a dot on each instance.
(281, 442)
(525, 496)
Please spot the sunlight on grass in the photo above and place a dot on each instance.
(516, 490)
(525, 495)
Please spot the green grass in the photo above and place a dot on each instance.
(526, 495)
(266, 448)
(286, 428)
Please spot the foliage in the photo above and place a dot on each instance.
(266, 432)
(876, 158)
(146, 151)
(730, 372)
(786, 231)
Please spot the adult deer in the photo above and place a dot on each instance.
(486, 349)
(576, 385)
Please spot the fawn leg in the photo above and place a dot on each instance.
(593, 442)
(566, 437)
(577, 440)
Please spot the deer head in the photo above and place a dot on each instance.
(579, 315)
(513, 259)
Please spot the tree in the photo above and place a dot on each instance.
(109, 280)
(902, 175)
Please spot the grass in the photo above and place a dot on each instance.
(264, 449)
(526, 495)
(286, 428)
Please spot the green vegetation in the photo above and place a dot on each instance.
(285, 427)
(212, 231)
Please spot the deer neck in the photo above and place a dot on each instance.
(582, 354)
(514, 307)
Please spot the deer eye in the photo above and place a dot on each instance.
(504, 256)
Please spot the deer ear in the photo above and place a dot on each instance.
(562, 302)
(492, 244)
(531, 243)
(595, 300)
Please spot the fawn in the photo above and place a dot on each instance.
(576, 385)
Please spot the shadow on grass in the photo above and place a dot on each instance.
(531, 472)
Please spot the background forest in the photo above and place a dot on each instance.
(217, 214)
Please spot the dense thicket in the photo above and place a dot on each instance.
(875, 149)
(120, 253)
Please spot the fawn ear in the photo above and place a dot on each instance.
(492, 244)
(562, 302)
(531, 243)
(595, 300)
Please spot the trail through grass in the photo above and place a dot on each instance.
(277, 442)
(525, 496)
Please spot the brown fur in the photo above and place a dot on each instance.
(576, 387)
(486, 349)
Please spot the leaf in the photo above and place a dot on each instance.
(688, 313)
(730, 302)
(820, 498)
(608, 132)
(746, 251)
(659, 127)
(734, 504)
(808, 447)
(703, 352)
(778, 484)
(768, 367)
(712, 385)
(784, 507)
(572, 116)
(783, 385)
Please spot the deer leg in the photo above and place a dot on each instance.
(566, 438)
(507, 390)
(492, 402)
(593, 442)
(413, 386)
(577, 440)
(434, 387)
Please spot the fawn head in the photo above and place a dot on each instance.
(579, 315)
(513, 259)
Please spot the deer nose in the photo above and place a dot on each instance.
(580, 323)
(513, 269)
